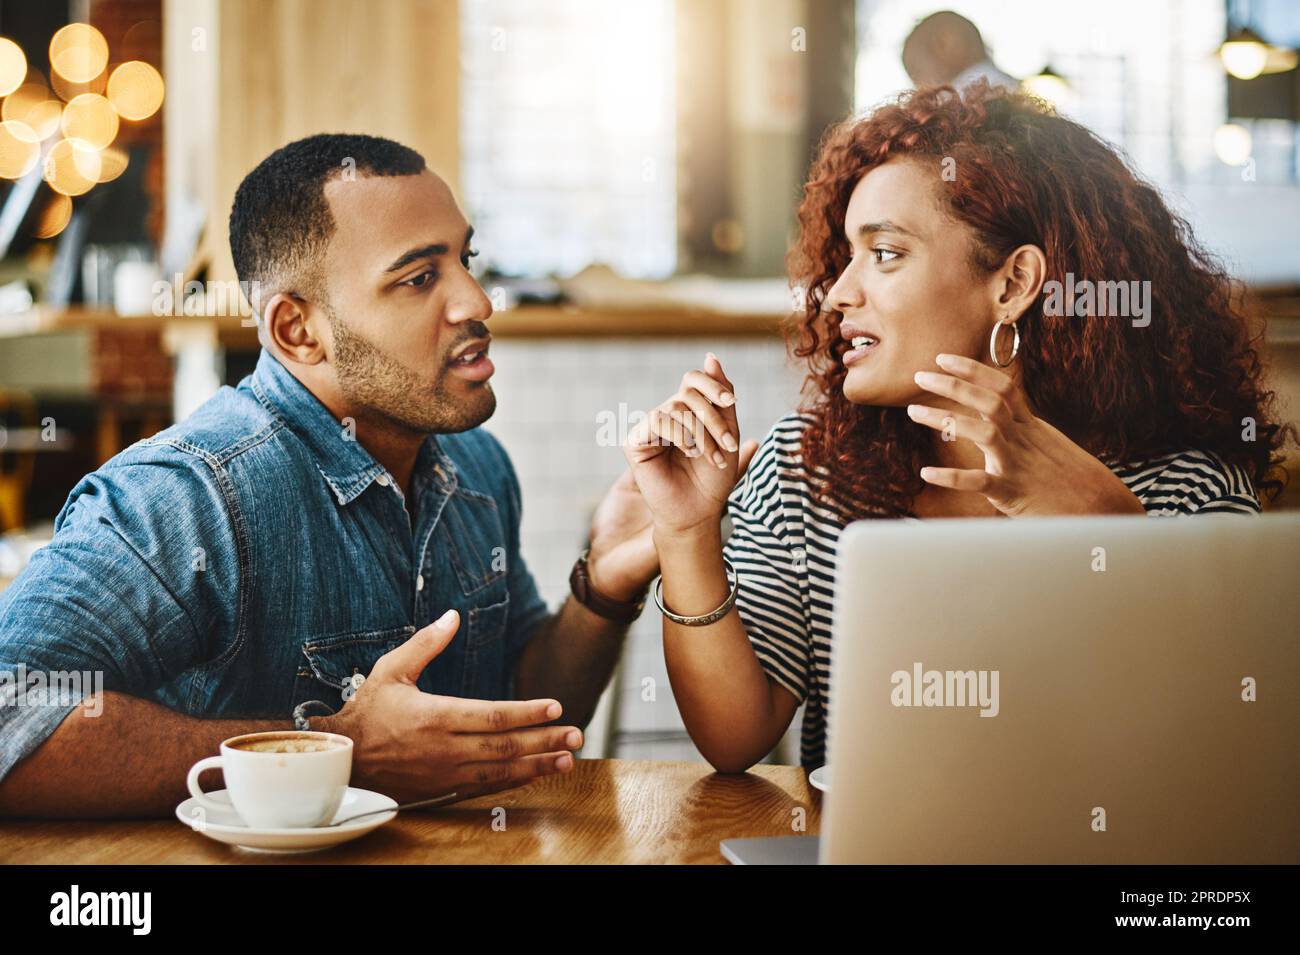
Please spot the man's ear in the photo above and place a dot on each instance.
(1019, 281)
(290, 323)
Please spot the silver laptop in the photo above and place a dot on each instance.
(1063, 690)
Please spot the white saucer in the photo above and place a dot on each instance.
(225, 825)
(821, 778)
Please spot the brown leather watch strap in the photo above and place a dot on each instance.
(619, 611)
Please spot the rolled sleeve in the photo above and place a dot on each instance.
(125, 597)
(26, 723)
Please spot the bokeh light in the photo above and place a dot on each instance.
(72, 167)
(78, 53)
(32, 104)
(54, 217)
(13, 66)
(20, 149)
(1232, 144)
(1244, 59)
(68, 90)
(90, 118)
(113, 163)
(136, 90)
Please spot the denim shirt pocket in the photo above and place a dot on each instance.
(485, 653)
(331, 662)
(475, 542)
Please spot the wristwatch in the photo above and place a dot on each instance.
(619, 611)
(301, 716)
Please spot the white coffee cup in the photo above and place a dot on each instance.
(284, 779)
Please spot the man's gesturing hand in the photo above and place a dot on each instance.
(410, 744)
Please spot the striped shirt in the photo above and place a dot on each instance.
(783, 542)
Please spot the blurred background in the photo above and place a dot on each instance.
(631, 169)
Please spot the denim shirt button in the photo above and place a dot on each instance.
(382, 480)
(419, 582)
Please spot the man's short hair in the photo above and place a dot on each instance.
(280, 223)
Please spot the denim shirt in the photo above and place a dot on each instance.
(255, 556)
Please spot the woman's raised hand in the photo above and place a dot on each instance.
(686, 454)
(1030, 467)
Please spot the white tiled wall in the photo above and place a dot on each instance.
(550, 396)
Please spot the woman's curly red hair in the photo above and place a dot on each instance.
(1024, 175)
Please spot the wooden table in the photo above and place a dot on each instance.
(604, 811)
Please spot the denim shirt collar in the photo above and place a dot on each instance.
(347, 467)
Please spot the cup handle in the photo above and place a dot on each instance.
(192, 781)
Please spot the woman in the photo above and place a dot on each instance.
(950, 380)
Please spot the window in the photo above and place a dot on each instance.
(1143, 75)
(568, 147)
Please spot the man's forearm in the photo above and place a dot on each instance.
(129, 761)
(570, 660)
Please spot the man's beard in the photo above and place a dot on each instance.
(371, 379)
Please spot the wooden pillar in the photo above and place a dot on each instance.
(247, 76)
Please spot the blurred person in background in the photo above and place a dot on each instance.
(946, 49)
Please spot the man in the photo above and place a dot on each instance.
(336, 530)
(946, 49)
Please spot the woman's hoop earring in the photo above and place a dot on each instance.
(993, 344)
